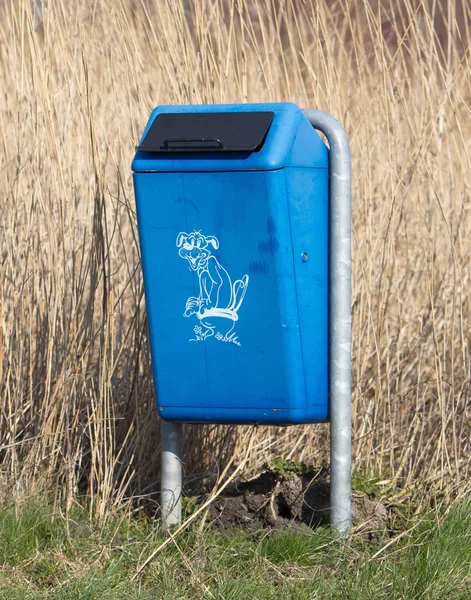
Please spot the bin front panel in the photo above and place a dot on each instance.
(220, 290)
(227, 291)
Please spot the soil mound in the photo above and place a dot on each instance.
(286, 500)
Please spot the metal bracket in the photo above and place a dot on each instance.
(340, 329)
(339, 346)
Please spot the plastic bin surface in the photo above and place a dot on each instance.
(234, 248)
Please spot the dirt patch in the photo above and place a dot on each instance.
(281, 501)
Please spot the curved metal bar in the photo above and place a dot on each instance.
(340, 387)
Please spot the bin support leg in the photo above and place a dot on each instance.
(339, 318)
(171, 474)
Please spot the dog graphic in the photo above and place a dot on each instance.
(219, 297)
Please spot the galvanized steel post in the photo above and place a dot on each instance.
(171, 473)
(340, 389)
(339, 345)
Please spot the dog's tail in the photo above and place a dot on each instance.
(239, 289)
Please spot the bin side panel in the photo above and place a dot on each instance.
(308, 208)
(221, 296)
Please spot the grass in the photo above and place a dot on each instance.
(46, 556)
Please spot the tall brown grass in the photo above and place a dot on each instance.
(78, 83)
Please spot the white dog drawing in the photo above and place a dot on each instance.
(218, 296)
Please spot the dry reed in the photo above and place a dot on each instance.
(77, 408)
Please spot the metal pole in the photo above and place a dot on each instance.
(340, 387)
(171, 474)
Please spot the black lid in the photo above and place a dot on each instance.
(207, 132)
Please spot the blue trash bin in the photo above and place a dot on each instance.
(232, 207)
